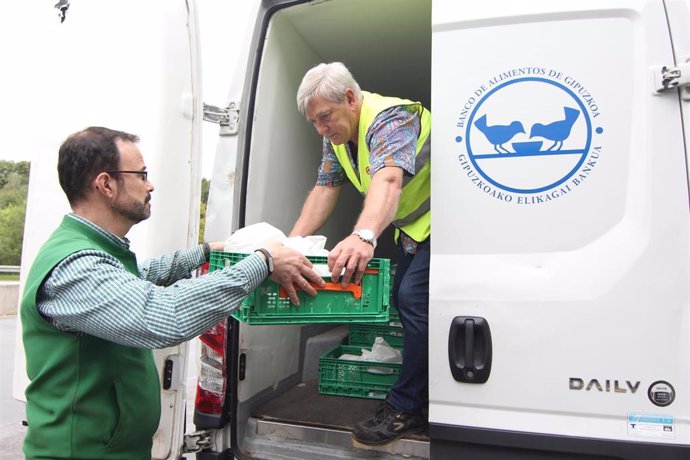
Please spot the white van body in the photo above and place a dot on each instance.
(560, 268)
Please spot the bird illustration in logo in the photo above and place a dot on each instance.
(557, 131)
(499, 134)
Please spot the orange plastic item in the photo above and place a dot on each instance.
(354, 288)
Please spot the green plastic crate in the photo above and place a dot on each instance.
(267, 304)
(363, 335)
(393, 316)
(359, 379)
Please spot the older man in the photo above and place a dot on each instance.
(382, 145)
(91, 314)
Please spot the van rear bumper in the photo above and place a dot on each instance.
(453, 442)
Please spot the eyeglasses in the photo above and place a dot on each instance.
(144, 174)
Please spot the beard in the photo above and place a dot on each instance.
(134, 211)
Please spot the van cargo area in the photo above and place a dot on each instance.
(386, 44)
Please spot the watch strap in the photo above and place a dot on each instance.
(370, 239)
(269, 259)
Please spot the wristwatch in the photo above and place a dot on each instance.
(366, 235)
(269, 259)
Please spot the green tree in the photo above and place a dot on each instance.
(12, 233)
(205, 185)
(14, 192)
(18, 169)
(14, 180)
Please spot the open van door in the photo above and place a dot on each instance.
(559, 275)
(132, 66)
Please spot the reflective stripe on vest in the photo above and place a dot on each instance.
(413, 216)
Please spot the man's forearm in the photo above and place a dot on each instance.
(317, 208)
(99, 298)
(165, 270)
(381, 203)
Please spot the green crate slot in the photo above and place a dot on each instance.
(363, 335)
(393, 316)
(358, 379)
(267, 305)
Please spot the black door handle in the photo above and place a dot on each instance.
(469, 349)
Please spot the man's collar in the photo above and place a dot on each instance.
(121, 241)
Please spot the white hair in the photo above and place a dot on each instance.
(326, 80)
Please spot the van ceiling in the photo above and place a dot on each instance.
(386, 44)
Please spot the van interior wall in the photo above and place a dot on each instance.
(387, 46)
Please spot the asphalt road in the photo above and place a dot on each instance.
(11, 411)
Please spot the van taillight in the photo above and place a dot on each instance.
(210, 391)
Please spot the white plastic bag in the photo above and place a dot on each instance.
(252, 237)
(259, 235)
(313, 245)
(382, 352)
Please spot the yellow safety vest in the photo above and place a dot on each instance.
(414, 209)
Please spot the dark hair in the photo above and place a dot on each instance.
(86, 154)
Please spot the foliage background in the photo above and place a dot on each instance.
(14, 184)
(204, 200)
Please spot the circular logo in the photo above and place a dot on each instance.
(528, 135)
(661, 393)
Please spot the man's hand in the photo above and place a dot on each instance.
(353, 255)
(293, 271)
(217, 245)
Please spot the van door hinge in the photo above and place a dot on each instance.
(197, 441)
(672, 77)
(228, 118)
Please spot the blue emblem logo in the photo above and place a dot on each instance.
(529, 135)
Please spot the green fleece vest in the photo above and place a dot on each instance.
(88, 398)
(413, 215)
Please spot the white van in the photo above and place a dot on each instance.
(560, 271)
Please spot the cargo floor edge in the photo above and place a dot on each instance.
(452, 442)
(314, 426)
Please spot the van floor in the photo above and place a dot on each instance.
(303, 405)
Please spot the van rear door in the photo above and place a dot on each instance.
(560, 259)
(132, 66)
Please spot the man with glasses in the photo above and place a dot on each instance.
(91, 314)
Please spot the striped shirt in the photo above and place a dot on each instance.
(90, 292)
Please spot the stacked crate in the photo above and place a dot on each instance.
(364, 334)
(362, 379)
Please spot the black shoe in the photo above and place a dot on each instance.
(388, 424)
